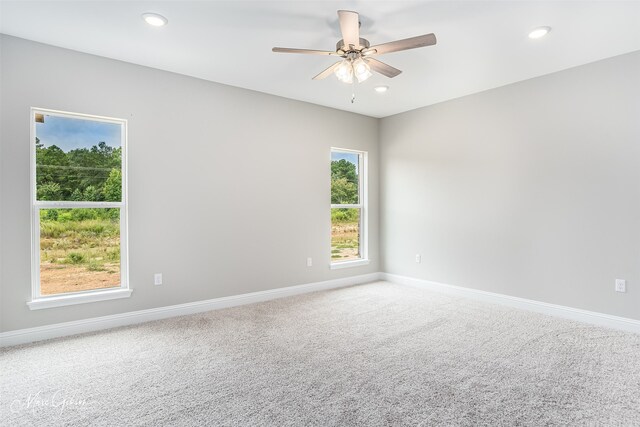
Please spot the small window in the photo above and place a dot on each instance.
(79, 204)
(348, 208)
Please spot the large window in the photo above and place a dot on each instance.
(348, 208)
(78, 207)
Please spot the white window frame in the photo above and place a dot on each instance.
(363, 192)
(39, 301)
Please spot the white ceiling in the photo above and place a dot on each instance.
(481, 44)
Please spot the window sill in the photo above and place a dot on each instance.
(80, 298)
(347, 264)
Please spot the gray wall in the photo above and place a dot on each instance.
(210, 230)
(531, 190)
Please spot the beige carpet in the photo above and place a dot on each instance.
(377, 354)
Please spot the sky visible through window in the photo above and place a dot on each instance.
(350, 157)
(69, 134)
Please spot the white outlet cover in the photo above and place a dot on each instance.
(621, 285)
(157, 279)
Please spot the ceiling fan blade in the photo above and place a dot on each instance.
(350, 27)
(382, 68)
(410, 43)
(306, 51)
(327, 72)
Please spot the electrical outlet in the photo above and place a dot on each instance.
(309, 262)
(621, 285)
(157, 279)
(418, 258)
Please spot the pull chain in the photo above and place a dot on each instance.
(353, 91)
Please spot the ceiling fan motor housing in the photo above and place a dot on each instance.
(364, 44)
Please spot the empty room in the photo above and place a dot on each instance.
(319, 213)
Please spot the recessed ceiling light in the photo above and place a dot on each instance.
(381, 89)
(155, 19)
(539, 32)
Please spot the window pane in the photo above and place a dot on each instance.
(345, 234)
(344, 178)
(78, 160)
(79, 249)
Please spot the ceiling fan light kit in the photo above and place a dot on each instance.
(344, 71)
(357, 53)
(361, 69)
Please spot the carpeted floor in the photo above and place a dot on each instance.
(377, 354)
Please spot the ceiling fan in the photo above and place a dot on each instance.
(358, 54)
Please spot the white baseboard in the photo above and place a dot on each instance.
(23, 336)
(592, 317)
